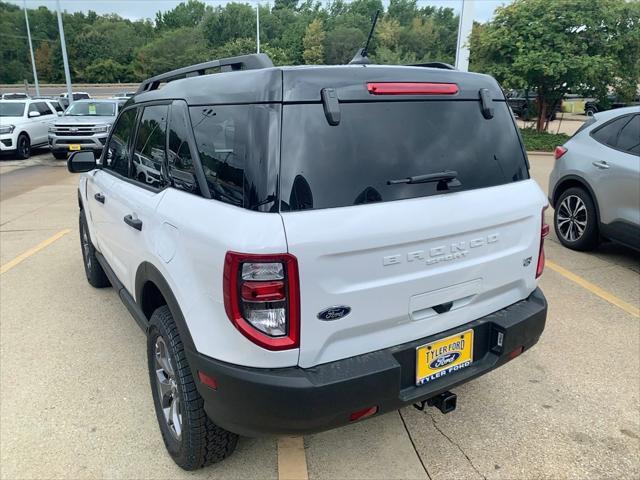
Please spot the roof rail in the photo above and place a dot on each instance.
(254, 61)
(442, 65)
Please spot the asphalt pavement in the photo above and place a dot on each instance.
(75, 400)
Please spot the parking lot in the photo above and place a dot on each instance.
(75, 399)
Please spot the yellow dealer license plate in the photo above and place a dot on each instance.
(444, 357)
(74, 146)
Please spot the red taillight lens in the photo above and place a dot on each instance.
(262, 298)
(558, 152)
(412, 88)
(544, 231)
(362, 414)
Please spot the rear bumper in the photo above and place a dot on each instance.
(252, 401)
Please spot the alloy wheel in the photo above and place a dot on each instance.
(168, 389)
(572, 218)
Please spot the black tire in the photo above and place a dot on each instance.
(201, 442)
(23, 146)
(568, 206)
(590, 112)
(60, 155)
(92, 268)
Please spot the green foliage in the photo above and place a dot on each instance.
(542, 141)
(557, 46)
(108, 70)
(188, 14)
(314, 43)
(343, 43)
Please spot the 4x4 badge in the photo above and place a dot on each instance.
(334, 313)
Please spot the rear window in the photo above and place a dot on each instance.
(327, 166)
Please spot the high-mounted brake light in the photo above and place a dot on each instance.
(412, 88)
(262, 298)
(558, 152)
(544, 231)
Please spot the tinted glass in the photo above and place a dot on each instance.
(327, 166)
(182, 172)
(33, 108)
(43, 108)
(103, 109)
(629, 138)
(11, 109)
(608, 134)
(149, 154)
(117, 156)
(57, 106)
(238, 147)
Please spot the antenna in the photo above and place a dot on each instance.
(362, 56)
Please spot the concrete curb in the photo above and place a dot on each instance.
(536, 152)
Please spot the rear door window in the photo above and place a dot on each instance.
(149, 155)
(117, 155)
(327, 166)
(182, 172)
(629, 138)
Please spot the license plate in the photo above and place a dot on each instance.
(444, 357)
(74, 146)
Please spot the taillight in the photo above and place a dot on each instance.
(544, 231)
(412, 88)
(262, 298)
(558, 152)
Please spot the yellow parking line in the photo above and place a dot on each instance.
(596, 290)
(292, 460)
(23, 256)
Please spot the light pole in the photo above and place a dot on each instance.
(33, 60)
(464, 30)
(258, 28)
(65, 60)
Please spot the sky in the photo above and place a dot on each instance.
(137, 9)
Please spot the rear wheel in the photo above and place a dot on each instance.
(191, 438)
(575, 220)
(23, 147)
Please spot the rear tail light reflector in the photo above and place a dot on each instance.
(558, 152)
(262, 298)
(364, 413)
(544, 231)
(208, 380)
(412, 88)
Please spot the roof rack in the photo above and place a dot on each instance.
(442, 65)
(254, 61)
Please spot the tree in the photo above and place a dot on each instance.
(342, 44)
(174, 49)
(107, 71)
(44, 63)
(556, 46)
(314, 43)
(188, 14)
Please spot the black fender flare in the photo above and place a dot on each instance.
(575, 178)
(147, 272)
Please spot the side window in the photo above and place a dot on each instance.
(44, 109)
(629, 139)
(117, 156)
(609, 133)
(149, 156)
(182, 172)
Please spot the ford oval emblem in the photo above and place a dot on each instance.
(444, 360)
(334, 313)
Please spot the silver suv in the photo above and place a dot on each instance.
(84, 126)
(595, 183)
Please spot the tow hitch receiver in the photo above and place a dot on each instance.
(445, 402)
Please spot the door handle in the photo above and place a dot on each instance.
(133, 222)
(602, 165)
(99, 197)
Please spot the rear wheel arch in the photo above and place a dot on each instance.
(153, 291)
(573, 181)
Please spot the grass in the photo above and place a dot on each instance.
(542, 141)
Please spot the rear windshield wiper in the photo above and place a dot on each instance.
(447, 179)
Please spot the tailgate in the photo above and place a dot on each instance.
(467, 254)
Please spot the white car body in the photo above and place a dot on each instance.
(36, 127)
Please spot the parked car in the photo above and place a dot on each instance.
(14, 96)
(592, 106)
(124, 94)
(76, 96)
(54, 101)
(23, 125)
(595, 183)
(84, 126)
(524, 105)
(321, 244)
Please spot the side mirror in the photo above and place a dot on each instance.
(34, 114)
(80, 162)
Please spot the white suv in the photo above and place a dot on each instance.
(24, 124)
(314, 246)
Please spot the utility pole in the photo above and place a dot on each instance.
(65, 60)
(464, 30)
(258, 28)
(33, 60)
